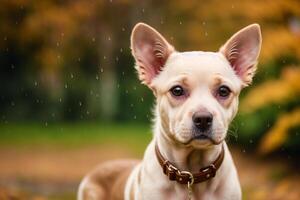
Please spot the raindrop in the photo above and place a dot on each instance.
(80, 103)
(97, 77)
(93, 39)
(79, 59)
(35, 83)
(60, 100)
(57, 44)
(101, 70)
(12, 103)
(131, 105)
(66, 86)
(142, 99)
(72, 76)
(5, 38)
(203, 23)
(12, 66)
(87, 112)
(232, 6)
(109, 39)
(134, 87)
(104, 57)
(134, 117)
(121, 50)
(206, 34)
(123, 29)
(251, 141)
(244, 151)
(46, 123)
(180, 22)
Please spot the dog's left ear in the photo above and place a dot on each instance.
(242, 51)
(150, 50)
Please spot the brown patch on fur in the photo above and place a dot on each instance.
(108, 180)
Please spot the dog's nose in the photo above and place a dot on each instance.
(202, 120)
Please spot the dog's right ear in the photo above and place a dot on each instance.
(242, 51)
(150, 50)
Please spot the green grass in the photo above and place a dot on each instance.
(68, 135)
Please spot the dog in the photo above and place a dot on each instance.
(196, 99)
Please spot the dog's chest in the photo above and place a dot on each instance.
(181, 192)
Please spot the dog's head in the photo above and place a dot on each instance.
(197, 92)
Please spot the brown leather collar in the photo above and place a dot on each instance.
(185, 177)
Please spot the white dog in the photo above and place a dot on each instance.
(196, 99)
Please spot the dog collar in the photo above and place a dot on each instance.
(186, 177)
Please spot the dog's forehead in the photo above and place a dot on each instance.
(199, 62)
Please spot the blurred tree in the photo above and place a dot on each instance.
(71, 59)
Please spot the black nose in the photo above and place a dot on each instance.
(202, 120)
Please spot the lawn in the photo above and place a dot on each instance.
(75, 135)
(47, 161)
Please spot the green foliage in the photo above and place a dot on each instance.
(70, 60)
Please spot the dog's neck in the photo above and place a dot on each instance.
(185, 157)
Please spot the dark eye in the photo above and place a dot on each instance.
(223, 91)
(177, 91)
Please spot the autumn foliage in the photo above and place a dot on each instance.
(70, 60)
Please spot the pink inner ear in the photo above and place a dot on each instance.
(151, 52)
(242, 58)
(242, 51)
(150, 61)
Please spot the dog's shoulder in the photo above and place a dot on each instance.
(106, 181)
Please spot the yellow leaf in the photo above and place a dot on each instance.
(279, 132)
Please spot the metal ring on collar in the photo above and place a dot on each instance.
(191, 176)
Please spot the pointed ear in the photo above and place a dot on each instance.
(150, 50)
(242, 51)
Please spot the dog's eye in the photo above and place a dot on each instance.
(224, 91)
(177, 91)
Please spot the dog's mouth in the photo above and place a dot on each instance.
(201, 137)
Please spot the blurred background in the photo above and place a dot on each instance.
(69, 96)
